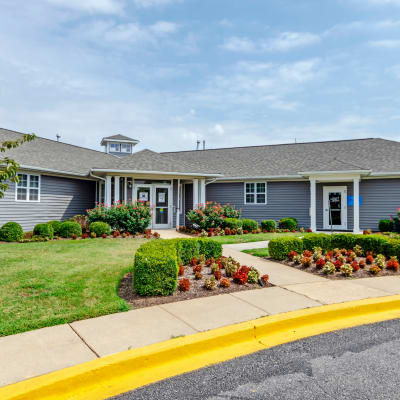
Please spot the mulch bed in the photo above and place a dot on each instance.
(197, 290)
(361, 273)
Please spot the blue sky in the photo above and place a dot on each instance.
(231, 72)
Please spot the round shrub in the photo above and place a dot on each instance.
(56, 226)
(268, 225)
(69, 228)
(44, 230)
(232, 223)
(249, 225)
(100, 228)
(279, 248)
(11, 232)
(386, 225)
(288, 223)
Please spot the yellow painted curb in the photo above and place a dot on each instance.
(119, 373)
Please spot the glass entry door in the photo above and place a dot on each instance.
(335, 207)
(162, 205)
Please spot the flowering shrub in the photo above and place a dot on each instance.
(369, 259)
(224, 282)
(362, 264)
(358, 250)
(374, 269)
(264, 279)
(338, 264)
(393, 264)
(253, 276)
(307, 253)
(134, 218)
(214, 267)
(297, 259)
(217, 274)
(211, 215)
(355, 265)
(320, 263)
(197, 268)
(241, 276)
(184, 285)
(380, 261)
(306, 262)
(210, 283)
(198, 275)
(292, 254)
(181, 270)
(328, 268)
(346, 270)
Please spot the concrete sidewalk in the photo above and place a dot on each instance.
(45, 350)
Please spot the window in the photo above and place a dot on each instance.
(28, 188)
(115, 147)
(125, 148)
(255, 193)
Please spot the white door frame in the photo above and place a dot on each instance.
(343, 190)
(170, 202)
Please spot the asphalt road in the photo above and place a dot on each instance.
(358, 363)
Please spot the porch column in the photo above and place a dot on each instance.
(178, 204)
(116, 189)
(108, 191)
(195, 193)
(313, 202)
(126, 190)
(356, 193)
(203, 191)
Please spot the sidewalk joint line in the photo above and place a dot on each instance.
(247, 302)
(85, 342)
(180, 319)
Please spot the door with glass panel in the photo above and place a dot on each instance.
(335, 207)
(162, 205)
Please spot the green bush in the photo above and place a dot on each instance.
(279, 248)
(43, 230)
(187, 249)
(69, 228)
(392, 248)
(386, 225)
(317, 240)
(249, 225)
(56, 227)
(11, 232)
(100, 228)
(288, 223)
(210, 248)
(156, 268)
(343, 240)
(375, 243)
(232, 223)
(268, 225)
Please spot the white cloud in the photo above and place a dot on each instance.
(163, 27)
(283, 42)
(154, 3)
(395, 71)
(218, 129)
(386, 43)
(91, 6)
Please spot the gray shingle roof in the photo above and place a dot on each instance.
(378, 155)
(50, 154)
(120, 137)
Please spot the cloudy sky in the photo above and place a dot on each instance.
(231, 72)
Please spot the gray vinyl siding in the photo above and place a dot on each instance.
(380, 200)
(60, 199)
(188, 200)
(284, 199)
(320, 204)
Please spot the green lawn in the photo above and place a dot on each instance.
(257, 252)
(258, 237)
(50, 283)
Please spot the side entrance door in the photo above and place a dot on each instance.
(335, 207)
(162, 207)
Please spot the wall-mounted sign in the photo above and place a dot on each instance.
(161, 197)
(350, 201)
(143, 196)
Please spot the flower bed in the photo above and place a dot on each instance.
(199, 278)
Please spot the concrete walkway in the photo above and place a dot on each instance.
(45, 350)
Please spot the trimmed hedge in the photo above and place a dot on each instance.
(249, 225)
(288, 223)
(69, 228)
(343, 240)
(56, 226)
(268, 225)
(317, 240)
(233, 223)
(43, 230)
(279, 248)
(375, 243)
(11, 232)
(100, 228)
(155, 271)
(386, 225)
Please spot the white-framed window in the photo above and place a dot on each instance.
(255, 193)
(28, 188)
(126, 148)
(115, 147)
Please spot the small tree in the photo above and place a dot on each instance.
(8, 166)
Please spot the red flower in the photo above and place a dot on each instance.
(320, 263)
(184, 285)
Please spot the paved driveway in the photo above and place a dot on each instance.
(358, 363)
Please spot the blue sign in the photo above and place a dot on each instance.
(350, 201)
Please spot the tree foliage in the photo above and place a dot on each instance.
(8, 166)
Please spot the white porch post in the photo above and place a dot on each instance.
(203, 191)
(313, 202)
(116, 189)
(126, 190)
(195, 193)
(178, 204)
(108, 191)
(356, 193)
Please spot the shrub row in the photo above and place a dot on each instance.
(280, 247)
(155, 271)
(11, 232)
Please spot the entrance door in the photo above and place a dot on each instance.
(162, 212)
(335, 207)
